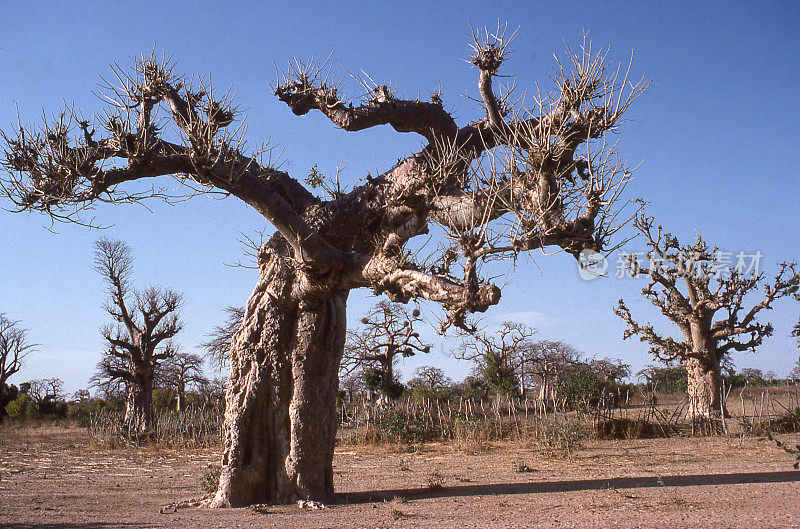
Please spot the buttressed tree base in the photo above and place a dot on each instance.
(516, 179)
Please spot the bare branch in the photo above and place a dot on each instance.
(14, 347)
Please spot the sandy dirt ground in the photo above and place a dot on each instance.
(52, 478)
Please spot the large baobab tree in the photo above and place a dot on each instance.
(14, 346)
(696, 289)
(517, 179)
(138, 340)
(180, 371)
(386, 334)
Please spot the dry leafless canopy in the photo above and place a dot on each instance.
(386, 333)
(182, 370)
(692, 284)
(220, 339)
(14, 346)
(536, 171)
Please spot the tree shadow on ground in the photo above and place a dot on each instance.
(575, 485)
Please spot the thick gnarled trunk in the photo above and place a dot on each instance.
(704, 387)
(280, 417)
(139, 406)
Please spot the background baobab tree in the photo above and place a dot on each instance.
(180, 371)
(430, 378)
(139, 339)
(14, 346)
(44, 392)
(386, 334)
(516, 179)
(694, 289)
(545, 363)
(499, 358)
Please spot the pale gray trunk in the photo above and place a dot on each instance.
(280, 417)
(180, 401)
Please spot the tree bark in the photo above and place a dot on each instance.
(139, 405)
(280, 418)
(704, 387)
(180, 401)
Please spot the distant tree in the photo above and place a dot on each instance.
(664, 379)
(545, 363)
(212, 391)
(47, 394)
(753, 376)
(139, 339)
(430, 381)
(385, 335)
(795, 372)
(14, 346)
(431, 378)
(612, 371)
(796, 329)
(7, 395)
(353, 385)
(580, 385)
(709, 309)
(180, 371)
(472, 387)
(221, 338)
(44, 389)
(82, 395)
(499, 358)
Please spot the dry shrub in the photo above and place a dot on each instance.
(619, 428)
(191, 428)
(554, 436)
(434, 480)
(787, 423)
(472, 436)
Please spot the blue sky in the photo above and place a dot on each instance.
(717, 130)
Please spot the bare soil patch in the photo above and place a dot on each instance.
(52, 478)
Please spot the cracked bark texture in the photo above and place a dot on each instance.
(280, 417)
(512, 181)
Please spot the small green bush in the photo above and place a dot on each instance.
(404, 428)
(20, 407)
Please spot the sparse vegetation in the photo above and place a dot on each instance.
(192, 428)
(434, 480)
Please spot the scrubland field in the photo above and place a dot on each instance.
(56, 477)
